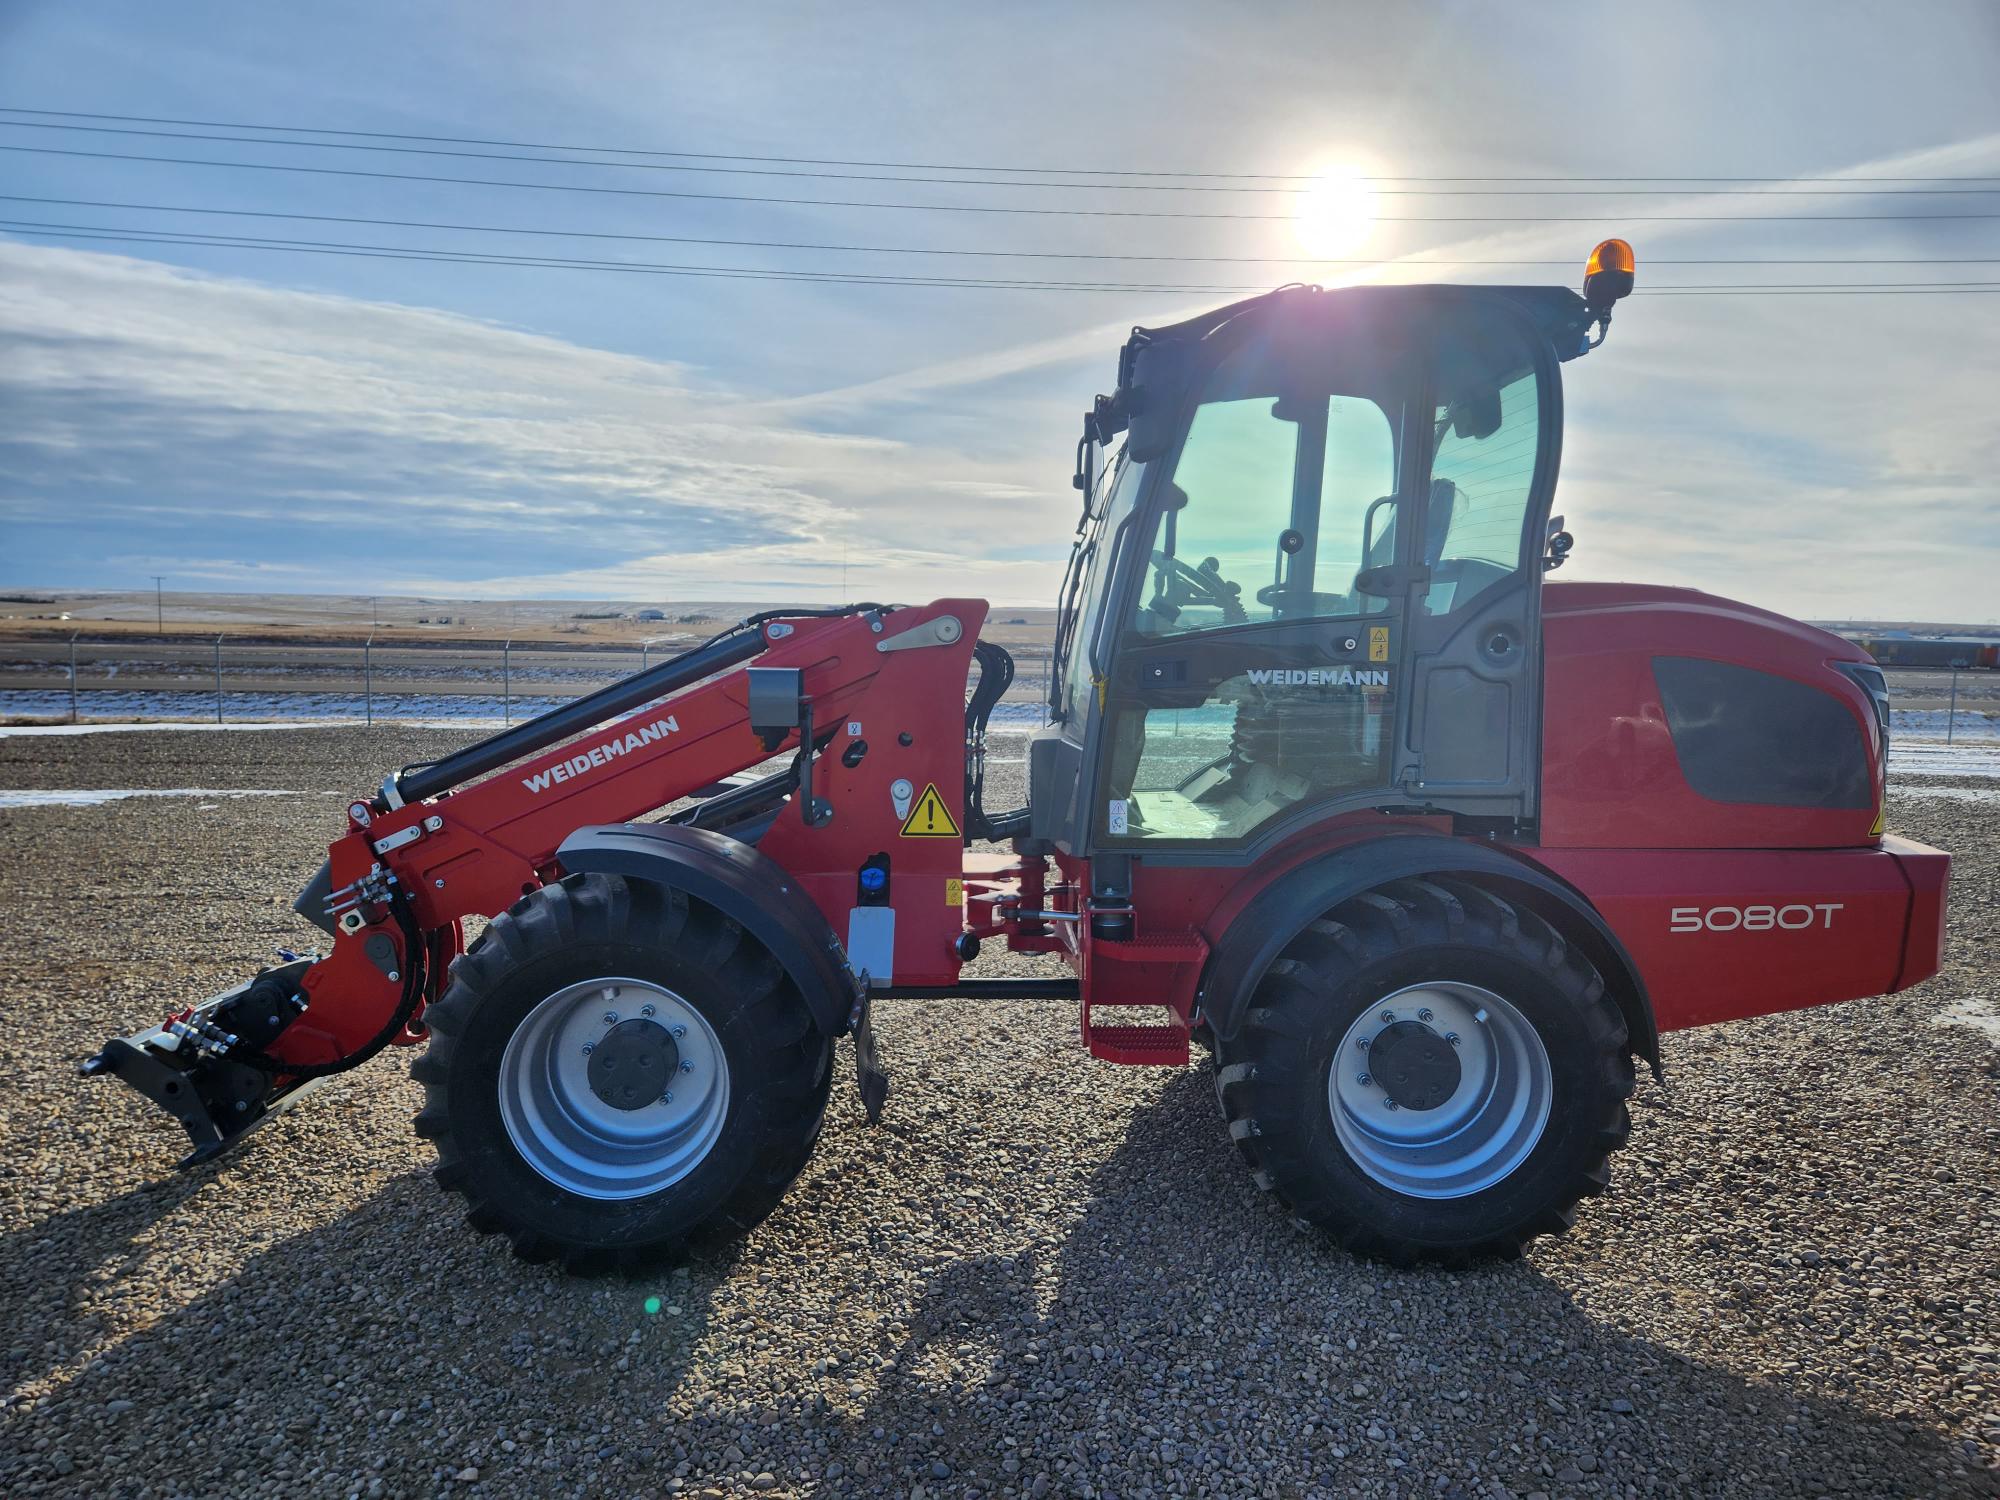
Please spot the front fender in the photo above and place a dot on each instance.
(748, 887)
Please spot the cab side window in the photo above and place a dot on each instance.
(1482, 479)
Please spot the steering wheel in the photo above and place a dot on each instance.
(1272, 597)
(1196, 585)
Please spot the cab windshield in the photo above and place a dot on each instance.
(1089, 580)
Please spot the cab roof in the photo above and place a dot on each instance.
(1561, 315)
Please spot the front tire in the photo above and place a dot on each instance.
(618, 1072)
(1495, 1094)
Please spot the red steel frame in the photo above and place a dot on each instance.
(1726, 911)
(496, 840)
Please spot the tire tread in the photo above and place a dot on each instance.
(1258, 1068)
(795, 1062)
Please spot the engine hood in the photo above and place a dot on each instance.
(1583, 599)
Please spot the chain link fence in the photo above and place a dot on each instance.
(225, 680)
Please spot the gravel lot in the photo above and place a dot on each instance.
(1043, 1275)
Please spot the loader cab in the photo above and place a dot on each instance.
(1310, 579)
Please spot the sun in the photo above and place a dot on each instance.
(1335, 213)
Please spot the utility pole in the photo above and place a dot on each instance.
(159, 606)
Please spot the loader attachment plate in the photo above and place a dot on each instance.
(216, 1100)
(177, 1092)
(167, 1087)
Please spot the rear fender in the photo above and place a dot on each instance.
(1281, 911)
(746, 886)
(1725, 934)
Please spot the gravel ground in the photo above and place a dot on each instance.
(1044, 1275)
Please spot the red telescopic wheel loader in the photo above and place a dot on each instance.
(1426, 850)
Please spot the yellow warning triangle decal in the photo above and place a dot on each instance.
(930, 818)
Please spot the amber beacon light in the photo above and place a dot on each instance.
(1607, 275)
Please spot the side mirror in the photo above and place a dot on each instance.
(1476, 416)
(1151, 400)
(1558, 547)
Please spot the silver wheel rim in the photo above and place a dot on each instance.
(1481, 1132)
(574, 1138)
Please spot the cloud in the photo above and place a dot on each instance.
(1825, 457)
(399, 446)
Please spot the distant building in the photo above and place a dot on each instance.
(651, 614)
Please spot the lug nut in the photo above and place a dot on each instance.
(1388, 1018)
(679, 1031)
(1390, 1104)
(1423, 1015)
(588, 1048)
(686, 1066)
(646, 1010)
(667, 1097)
(1362, 1044)
(1363, 1079)
(1452, 1037)
(611, 1018)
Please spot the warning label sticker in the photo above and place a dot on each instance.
(1378, 642)
(954, 893)
(930, 818)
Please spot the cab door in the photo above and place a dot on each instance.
(1327, 589)
(1492, 410)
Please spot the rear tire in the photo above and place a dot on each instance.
(1497, 1135)
(545, 1150)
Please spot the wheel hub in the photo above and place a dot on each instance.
(634, 1064)
(1414, 1065)
(614, 1088)
(1439, 1090)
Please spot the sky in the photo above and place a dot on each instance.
(237, 418)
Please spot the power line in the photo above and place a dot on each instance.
(1792, 189)
(449, 257)
(478, 257)
(813, 161)
(1262, 260)
(976, 208)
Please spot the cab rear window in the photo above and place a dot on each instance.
(1747, 736)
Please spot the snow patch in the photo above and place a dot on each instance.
(1953, 793)
(98, 796)
(1982, 1016)
(1936, 758)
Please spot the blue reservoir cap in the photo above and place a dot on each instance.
(874, 878)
